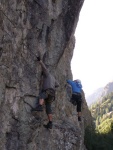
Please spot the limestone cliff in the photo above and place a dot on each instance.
(28, 27)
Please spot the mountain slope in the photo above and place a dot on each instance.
(99, 93)
(107, 89)
(102, 112)
(101, 136)
(93, 97)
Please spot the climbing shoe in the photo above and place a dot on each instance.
(38, 108)
(79, 118)
(49, 125)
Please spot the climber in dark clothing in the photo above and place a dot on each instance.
(76, 94)
(47, 94)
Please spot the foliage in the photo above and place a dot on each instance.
(102, 109)
(98, 141)
(105, 126)
(101, 137)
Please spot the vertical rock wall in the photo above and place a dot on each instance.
(27, 28)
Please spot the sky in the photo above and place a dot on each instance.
(93, 54)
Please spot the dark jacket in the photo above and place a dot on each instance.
(49, 82)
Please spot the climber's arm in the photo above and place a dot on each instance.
(70, 82)
(44, 69)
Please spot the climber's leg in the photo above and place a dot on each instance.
(79, 102)
(49, 114)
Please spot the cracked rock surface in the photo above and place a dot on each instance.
(29, 28)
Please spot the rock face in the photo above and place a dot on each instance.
(28, 28)
(107, 89)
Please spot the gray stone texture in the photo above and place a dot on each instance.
(29, 28)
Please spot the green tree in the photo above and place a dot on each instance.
(107, 110)
(112, 127)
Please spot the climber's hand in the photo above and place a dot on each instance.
(38, 58)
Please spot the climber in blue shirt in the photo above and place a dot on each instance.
(76, 94)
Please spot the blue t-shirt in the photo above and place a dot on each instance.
(76, 86)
